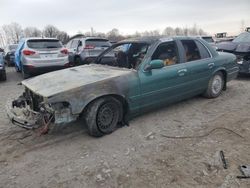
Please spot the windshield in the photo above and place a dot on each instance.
(126, 55)
(243, 37)
(208, 39)
(44, 43)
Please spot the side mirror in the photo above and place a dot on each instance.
(154, 64)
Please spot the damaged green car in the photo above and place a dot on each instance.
(127, 79)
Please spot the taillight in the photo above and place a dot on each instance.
(89, 47)
(64, 51)
(28, 52)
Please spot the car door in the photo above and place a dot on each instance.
(163, 85)
(18, 54)
(72, 50)
(199, 64)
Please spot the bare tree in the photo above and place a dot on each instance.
(114, 35)
(13, 32)
(63, 37)
(50, 31)
(194, 30)
(3, 41)
(168, 31)
(32, 32)
(202, 32)
(178, 31)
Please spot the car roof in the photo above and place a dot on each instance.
(87, 38)
(39, 38)
(153, 39)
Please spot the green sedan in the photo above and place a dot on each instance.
(126, 80)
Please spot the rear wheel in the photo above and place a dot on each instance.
(24, 74)
(3, 77)
(8, 63)
(77, 61)
(102, 116)
(215, 85)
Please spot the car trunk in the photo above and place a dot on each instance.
(96, 46)
(44, 49)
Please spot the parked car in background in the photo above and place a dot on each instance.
(240, 46)
(10, 54)
(129, 78)
(40, 55)
(72, 47)
(2, 68)
(209, 40)
(85, 50)
(222, 37)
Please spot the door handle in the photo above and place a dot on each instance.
(210, 65)
(182, 72)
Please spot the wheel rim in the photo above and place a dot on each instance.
(106, 116)
(217, 84)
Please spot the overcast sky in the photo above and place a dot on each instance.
(128, 16)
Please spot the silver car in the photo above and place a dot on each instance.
(85, 50)
(40, 55)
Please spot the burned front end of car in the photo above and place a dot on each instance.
(31, 110)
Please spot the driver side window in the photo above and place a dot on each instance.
(167, 52)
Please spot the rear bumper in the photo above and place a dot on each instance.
(31, 70)
(244, 67)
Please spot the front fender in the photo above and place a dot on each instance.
(79, 98)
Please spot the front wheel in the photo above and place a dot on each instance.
(24, 74)
(215, 85)
(102, 116)
(17, 68)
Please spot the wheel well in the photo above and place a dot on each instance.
(120, 98)
(225, 78)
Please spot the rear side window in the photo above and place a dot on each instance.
(98, 43)
(43, 43)
(203, 50)
(69, 44)
(208, 39)
(191, 50)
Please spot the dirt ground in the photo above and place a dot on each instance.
(134, 156)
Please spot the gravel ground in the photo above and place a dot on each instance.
(134, 156)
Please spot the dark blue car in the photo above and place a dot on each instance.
(2, 68)
(240, 46)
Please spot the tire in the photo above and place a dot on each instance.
(102, 116)
(8, 64)
(25, 75)
(215, 85)
(77, 61)
(3, 77)
(17, 69)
